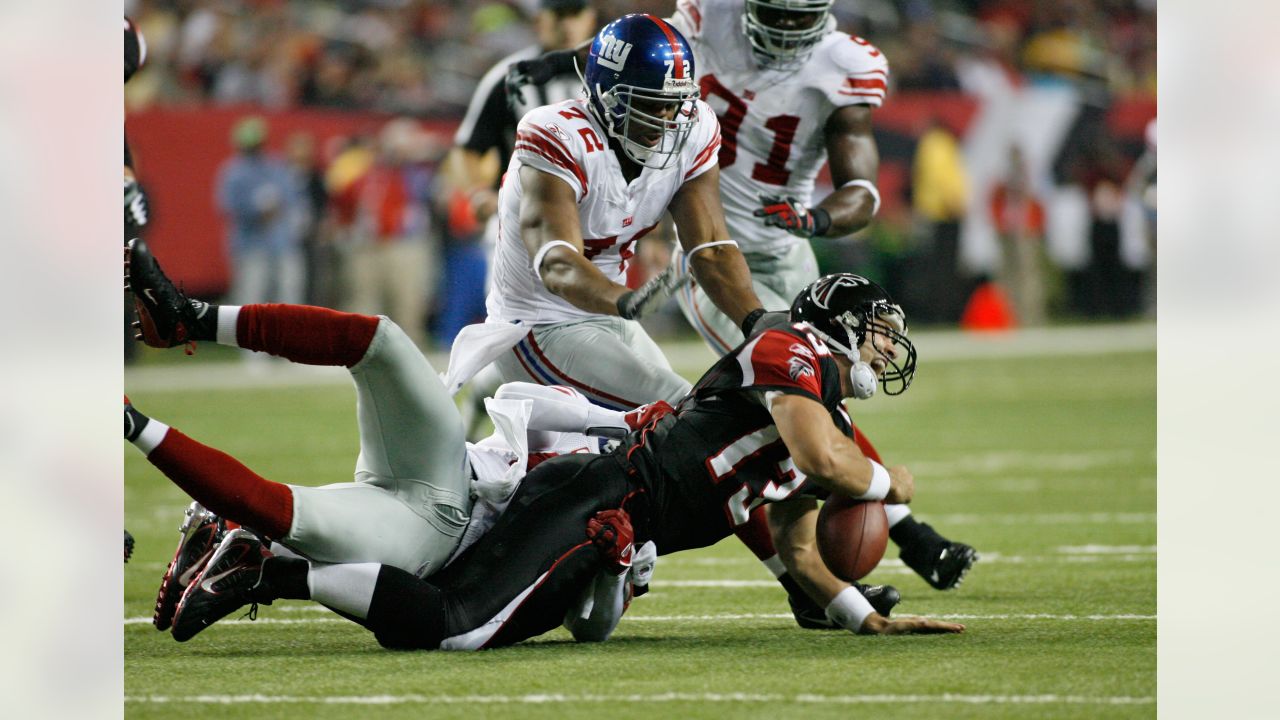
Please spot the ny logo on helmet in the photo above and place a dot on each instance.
(821, 294)
(614, 52)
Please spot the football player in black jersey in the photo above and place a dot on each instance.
(765, 425)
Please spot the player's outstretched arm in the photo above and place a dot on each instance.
(793, 526)
(855, 162)
(830, 458)
(552, 233)
(720, 269)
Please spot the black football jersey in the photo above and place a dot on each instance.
(718, 457)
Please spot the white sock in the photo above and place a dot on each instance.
(347, 586)
(227, 315)
(775, 565)
(281, 551)
(896, 513)
(151, 436)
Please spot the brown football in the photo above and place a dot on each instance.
(852, 535)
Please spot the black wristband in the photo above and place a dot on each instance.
(624, 312)
(750, 321)
(821, 221)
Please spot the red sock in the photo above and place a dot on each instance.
(865, 445)
(224, 485)
(306, 334)
(754, 533)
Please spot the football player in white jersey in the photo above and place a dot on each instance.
(791, 93)
(421, 495)
(587, 179)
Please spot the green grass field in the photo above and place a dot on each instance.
(1046, 465)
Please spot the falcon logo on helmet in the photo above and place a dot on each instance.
(783, 33)
(842, 309)
(639, 83)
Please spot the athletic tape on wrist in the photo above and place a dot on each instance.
(849, 609)
(869, 187)
(879, 483)
(542, 253)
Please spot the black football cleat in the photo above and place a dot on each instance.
(945, 567)
(809, 616)
(166, 317)
(128, 546)
(201, 532)
(228, 582)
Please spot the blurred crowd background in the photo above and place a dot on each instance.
(1018, 145)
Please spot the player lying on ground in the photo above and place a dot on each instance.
(764, 425)
(405, 420)
(411, 505)
(791, 93)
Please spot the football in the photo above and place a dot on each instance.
(852, 535)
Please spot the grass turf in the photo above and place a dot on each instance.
(1047, 465)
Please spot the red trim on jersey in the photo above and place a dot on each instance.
(872, 83)
(776, 360)
(693, 303)
(537, 584)
(705, 156)
(864, 444)
(677, 60)
(555, 155)
(533, 345)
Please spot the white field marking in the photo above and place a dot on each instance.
(1030, 519)
(1106, 549)
(995, 462)
(557, 698)
(940, 345)
(714, 618)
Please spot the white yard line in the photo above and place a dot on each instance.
(938, 346)
(646, 699)
(720, 617)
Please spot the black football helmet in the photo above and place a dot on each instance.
(842, 308)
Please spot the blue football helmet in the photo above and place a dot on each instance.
(783, 33)
(639, 83)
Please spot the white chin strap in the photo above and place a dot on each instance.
(863, 379)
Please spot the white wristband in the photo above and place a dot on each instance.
(869, 187)
(706, 245)
(542, 253)
(849, 609)
(879, 483)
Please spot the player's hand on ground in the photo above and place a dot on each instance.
(902, 485)
(790, 214)
(610, 531)
(878, 625)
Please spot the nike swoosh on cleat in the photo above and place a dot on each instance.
(185, 578)
(207, 583)
(934, 576)
(150, 295)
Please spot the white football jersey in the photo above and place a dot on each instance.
(772, 120)
(565, 140)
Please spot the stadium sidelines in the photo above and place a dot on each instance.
(545, 699)
(935, 346)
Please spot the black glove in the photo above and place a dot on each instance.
(651, 295)
(535, 71)
(759, 320)
(135, 204)
(787, 213)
